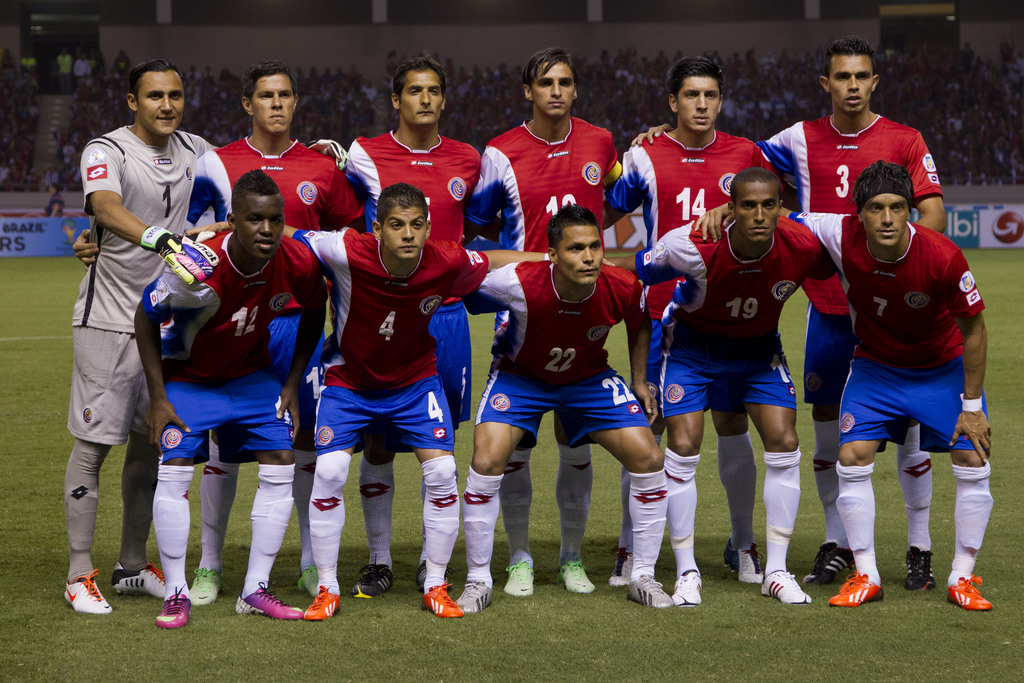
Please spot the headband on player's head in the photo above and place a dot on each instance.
(883, 178)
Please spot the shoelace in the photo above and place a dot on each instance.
(853, 583)
(90, 585)
(440, 593)
(267, 595)
(175, 606)
(755, 556)
(323, 596)
(968, 584)
(152, 568)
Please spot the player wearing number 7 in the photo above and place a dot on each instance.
(381, 374)
(721, 330)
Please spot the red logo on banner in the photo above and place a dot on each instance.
(1009, 227)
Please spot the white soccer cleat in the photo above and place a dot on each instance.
(83, 595)
(648, 593)
(782, 586)
(750, 566)
(687, 591)
(475, 598)
(623, 568)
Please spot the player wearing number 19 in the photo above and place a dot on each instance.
(722, 329)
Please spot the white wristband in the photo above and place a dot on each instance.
(971, 405)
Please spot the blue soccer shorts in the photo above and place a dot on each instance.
(283, 329)
(880, 401)
(601, 402)
(654, 362)
(449, 327)
(828, 350)
(416, 415)
(242, 410)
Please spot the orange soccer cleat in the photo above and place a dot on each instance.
(323, 607)
(965, 595)
(857, 590)
(437, 601)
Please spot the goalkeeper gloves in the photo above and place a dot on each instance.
(190, 261)
(332, 149)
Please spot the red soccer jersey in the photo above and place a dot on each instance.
(446, 173)
(219, 329)
(903, 311)
(823, 165)
(676, 185)
(528, 180)
(727, 296)
(548, 338)
(380, 338)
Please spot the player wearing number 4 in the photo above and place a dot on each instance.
(217, 374)
(675, 178)
(527, 175)
(922, 354)
(551, 357)
(723, 351)
(381, 374)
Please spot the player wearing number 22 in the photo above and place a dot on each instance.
(381, 374)
(721, 329)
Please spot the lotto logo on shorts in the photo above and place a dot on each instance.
(725, 183)
(592, 173)
(430, 304)
(324, 435)
(674, 393)
(812, 381)
(595, 333)
(87, 415)
(457, 188)
(97, 172)
(783, 290)
(634, 409)
(440, 432)
(280, 301)
(846, 423)
(500, 402)
(917, 299)
(170, 438)
(307, 192)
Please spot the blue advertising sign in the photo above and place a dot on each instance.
(23, 236)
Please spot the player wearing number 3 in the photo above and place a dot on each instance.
(381, 374)
(721, 330)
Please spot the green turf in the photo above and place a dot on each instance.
(735, 633)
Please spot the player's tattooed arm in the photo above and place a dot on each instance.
(639, 340)
(161, 412)
(973, 423)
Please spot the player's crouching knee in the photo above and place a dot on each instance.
(333, 467)
(646, 462)
(442, 471)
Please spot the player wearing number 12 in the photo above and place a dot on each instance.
(722, 330)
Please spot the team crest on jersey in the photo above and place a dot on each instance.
(846, 423)
(430, 304)
(97, 172)
(928, 163)
(324, 435)
(500, 402)
(279, 301)
(917, 299)
(783, 290)
(440, 432)
(966, 282)
(457, 188)
(307, 192)
(592, 173)
(188, 173)
(171, 438)
(595, 333)
(674, 393)
(812, 381)
(97, 156)
(87, 415)
(653, 388)
(725, 183)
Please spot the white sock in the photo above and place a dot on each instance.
(572, 493)
(681, 508)
(738, 474)
(856, 503)
(915, 474)
(648, 500)
(516, 496)
(440, 516)
(826, 455)
(171, 519)
(216, 495)
(781, 501)
(271, 510)
(377, 495)
(480, 509)
(302, 488)
(327, 515)
(626, 527)
(973, 507)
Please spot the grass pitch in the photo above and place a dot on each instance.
(735, 633)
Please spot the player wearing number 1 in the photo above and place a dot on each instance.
(675, 178)
(527, 175)
(723, 349)
(821, 159)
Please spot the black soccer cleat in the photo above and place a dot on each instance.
(830, 561)
(376, 579)
(421, 575)
(919, 570)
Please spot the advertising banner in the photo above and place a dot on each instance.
(26, 236)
